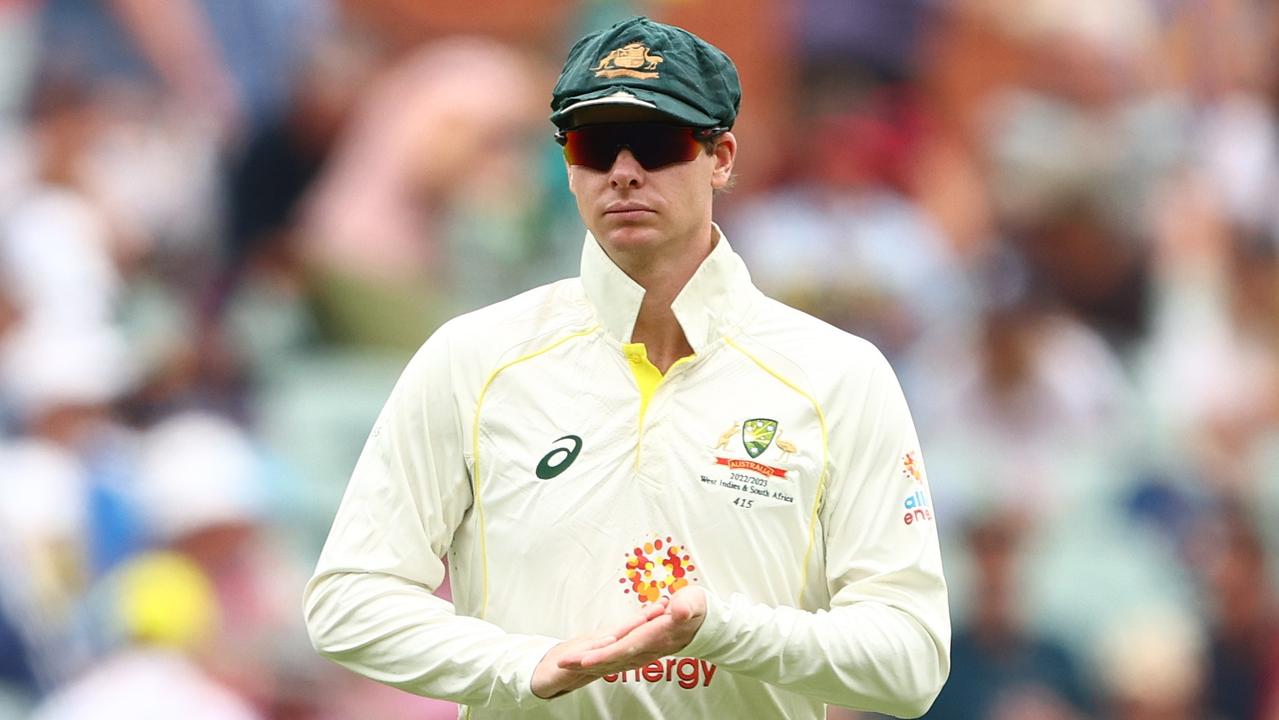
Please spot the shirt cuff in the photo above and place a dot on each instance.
(710, 636)
(538, 647)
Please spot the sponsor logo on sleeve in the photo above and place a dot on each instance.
(913, 467)
(918, 508)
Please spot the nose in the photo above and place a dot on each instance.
(626, 170)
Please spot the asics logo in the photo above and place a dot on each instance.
(558, 460)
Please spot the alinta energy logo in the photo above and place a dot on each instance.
(918, 509)
(656, 568)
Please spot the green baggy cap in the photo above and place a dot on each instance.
(649, 64)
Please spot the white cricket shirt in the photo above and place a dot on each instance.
(569, 482)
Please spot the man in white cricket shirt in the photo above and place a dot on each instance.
(661, 494)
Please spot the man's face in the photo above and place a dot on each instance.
(632, 209)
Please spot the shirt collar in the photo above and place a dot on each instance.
(712, 301)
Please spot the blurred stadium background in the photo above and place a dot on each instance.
(224, 225)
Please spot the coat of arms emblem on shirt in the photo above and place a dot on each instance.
(757, 435)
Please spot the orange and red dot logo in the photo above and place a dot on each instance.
(913, 467)
(656, 568)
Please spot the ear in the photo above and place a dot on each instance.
(724, 153)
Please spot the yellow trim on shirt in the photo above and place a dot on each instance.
(475, 454)
(821, 482)
(648, 378)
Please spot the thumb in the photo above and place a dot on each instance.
(687, 605)
(680, 612)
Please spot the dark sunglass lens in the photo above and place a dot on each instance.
(594, 147)
(654, 146)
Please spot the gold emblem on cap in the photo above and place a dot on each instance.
(632, 60)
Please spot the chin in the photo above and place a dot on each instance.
(625, 238)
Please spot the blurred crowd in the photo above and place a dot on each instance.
(225, 224)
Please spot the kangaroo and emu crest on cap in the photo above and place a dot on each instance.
(631, 60)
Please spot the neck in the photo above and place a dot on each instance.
(663, 277)
(663, 338)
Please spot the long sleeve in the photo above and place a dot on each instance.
(884, 643)
(370, 605)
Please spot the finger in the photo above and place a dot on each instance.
(622, 662)
(657, 608)
(600, 642)
(643, 641)
(618, 652)
(572, 659)
(649, 612)
(570, 662)
(598, 671)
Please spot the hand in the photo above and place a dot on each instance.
(663, 634)
(552, 678)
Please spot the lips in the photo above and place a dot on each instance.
(627, 208)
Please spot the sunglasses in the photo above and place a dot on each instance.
(654, 145)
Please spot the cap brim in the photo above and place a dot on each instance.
(677, 110)
(616, 99)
